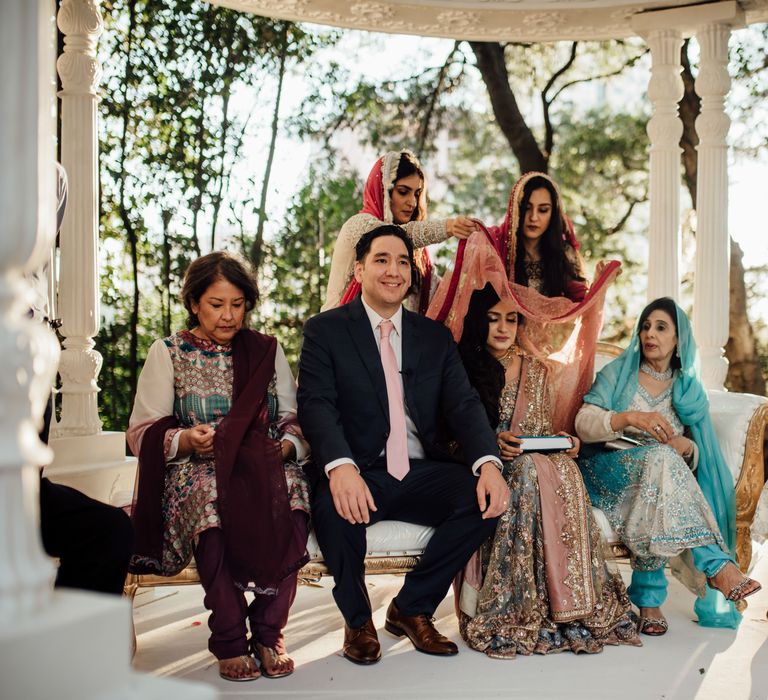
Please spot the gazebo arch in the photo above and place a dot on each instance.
(39, 625)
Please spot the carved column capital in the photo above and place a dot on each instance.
(713, 84)
(81, 18)
(81, 23)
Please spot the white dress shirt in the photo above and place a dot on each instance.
(415, 448)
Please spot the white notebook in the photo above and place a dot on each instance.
(545, 443)
(622, 443)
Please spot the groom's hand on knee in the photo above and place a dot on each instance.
(492, 491)
(351, 495)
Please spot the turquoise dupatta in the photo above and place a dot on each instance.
(613, 389)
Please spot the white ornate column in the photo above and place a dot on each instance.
(29, 351)
(84, 457)
(78, 302)
(664, 130)
(712, 271)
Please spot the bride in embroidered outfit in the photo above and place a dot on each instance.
(214, 427)
(541, 584)
(395, 193)
(656, 505)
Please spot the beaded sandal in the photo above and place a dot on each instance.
(249, 665)
(643, 623)
(270, 657)
(737, 592)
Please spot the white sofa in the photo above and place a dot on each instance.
(740, 421)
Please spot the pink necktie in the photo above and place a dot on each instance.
(397, 442)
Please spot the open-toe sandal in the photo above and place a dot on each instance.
(269, 658)
(248, 667)
(645, 625)
(740, 591)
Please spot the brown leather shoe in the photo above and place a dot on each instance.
(420, 631)
(361, 645)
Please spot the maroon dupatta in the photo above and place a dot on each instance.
(253, 503)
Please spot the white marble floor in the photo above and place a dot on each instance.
(688, 662)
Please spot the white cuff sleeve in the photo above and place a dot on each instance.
(488, 458)
(300, 445)
(173, 448)
(338, 463)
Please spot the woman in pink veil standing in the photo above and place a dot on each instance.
(395, 193)
(537, 241)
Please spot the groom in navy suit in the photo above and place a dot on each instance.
(380, 390)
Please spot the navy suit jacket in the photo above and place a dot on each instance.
(342, 395)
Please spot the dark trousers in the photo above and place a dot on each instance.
(438, 494)
(267, 614)
(92, 540)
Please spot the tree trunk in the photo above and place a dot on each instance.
(198, 180)
(426, 124)
(493, 68)
(258, 242)
(216, 199)
(166, 296)
(690, 107)
(744, 371)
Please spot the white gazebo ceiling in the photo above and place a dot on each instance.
(485, 20)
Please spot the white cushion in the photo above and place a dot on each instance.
(731, 413)
(387, 538)
(393, 538)
(606, 531)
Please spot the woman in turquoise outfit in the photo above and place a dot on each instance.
(658, 507)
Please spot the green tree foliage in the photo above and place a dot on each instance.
(299, 256)
(492, 130)
(188, 85)
(172, 135)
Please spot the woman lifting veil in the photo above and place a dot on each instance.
(395, 193)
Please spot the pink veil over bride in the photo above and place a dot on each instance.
(479, 262)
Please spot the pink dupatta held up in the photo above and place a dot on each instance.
(376, 202)
(479, 262)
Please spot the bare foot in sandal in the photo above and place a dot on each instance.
(732, 583)
(275, 662)
(652, 622)
(239, 668)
